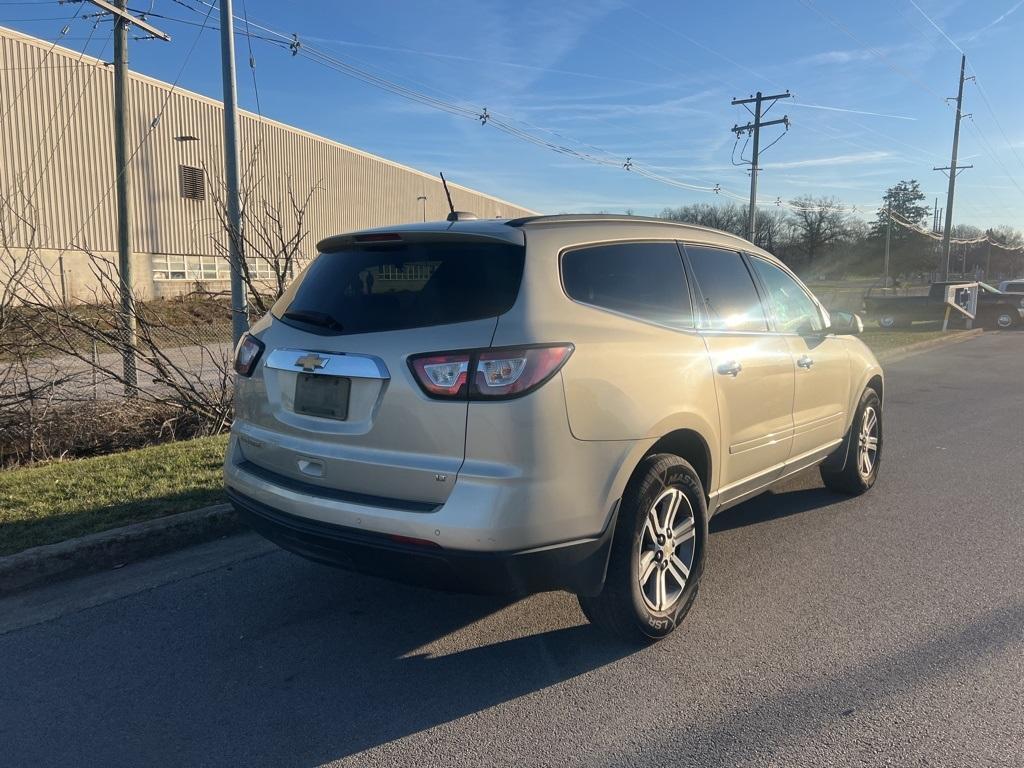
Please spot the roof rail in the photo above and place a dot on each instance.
(568, 218)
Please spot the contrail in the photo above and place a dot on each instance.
(854, 111)
(989, 26)
(937, 27)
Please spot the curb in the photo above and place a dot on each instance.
(114, 548)
(924, 346)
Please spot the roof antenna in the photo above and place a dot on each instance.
(455, 215)
(451, 206)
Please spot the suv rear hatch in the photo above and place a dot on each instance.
(334, 403)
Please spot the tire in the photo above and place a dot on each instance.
(999, 320)
(644, 614)
(852, 479)
(889, 322)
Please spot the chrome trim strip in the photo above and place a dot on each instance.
(335, 364)
(773, 438)
(823, 421)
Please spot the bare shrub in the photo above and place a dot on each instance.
(61, 430)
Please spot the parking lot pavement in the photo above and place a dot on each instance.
(829, 631)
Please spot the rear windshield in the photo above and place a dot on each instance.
(386, 287)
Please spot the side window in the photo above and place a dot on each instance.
(727, 290)
(794, 311)
(645, 280)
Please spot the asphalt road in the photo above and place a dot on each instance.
(887, 629)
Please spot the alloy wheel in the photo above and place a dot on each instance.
(867, 442)
(666, 550)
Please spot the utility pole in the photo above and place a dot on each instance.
(988, 257)
(888, 237)
(754, 129)
(953, 169)
(239, 302)
(126, 288)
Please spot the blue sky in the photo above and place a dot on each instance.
(650, 81)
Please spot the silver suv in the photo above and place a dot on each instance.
(553, 402)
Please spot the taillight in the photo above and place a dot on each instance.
(442, 375)
(488, 374)
(514, 372)
(247, 354)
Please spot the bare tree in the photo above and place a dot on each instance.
(273, 238)
(818, 223)
(728, 218)
(773, 230)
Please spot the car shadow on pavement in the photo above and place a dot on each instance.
(284, 662)
(773, 505)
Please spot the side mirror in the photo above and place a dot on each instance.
(845, 323)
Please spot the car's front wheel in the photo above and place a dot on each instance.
(862, 447)
(657, 553)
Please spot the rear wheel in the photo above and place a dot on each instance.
(888, 322)
(863, 446)
(999, 319)
(657, 554)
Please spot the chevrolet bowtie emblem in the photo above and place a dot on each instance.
(312, 362)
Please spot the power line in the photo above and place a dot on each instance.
(937, 28)
(149, 131)
(60, 101)
(301, 48)
(885, 59)
(260, 127)
(995, 119)
(810, 4)
(989, 148)
(63, 33)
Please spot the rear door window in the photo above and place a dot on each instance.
(403, 285)
(726, 290)
(644, 280)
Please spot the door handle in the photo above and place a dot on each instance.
(730, 368)
(805, 362)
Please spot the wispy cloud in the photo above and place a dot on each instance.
(684, 105)
(837, 57)
(474, 60)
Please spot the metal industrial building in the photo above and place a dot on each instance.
(57, 175)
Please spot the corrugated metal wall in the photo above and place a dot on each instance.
(57, 163)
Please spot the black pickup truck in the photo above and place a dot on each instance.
(995, 308)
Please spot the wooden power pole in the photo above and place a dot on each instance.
(239, 300)
(122, 21)
(953, 169)
(754, 129)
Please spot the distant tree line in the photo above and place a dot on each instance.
(820, 239)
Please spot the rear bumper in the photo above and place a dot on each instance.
(577, 566)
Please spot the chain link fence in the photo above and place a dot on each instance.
(66, 386)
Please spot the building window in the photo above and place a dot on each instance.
(259, 268)
(205, 268)
(192, 182)
(193, 268)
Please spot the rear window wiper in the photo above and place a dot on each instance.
(311, 317)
